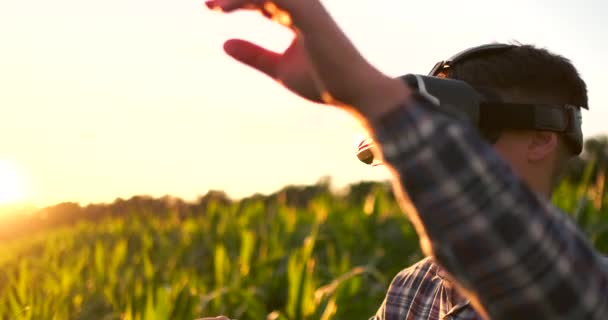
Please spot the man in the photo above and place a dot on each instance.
(509, 252)
(521, 74)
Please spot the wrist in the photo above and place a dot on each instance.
(311, 20)
(382, 97)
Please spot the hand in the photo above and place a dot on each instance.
(321, 55)
(291, 68)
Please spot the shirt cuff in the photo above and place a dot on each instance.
(409, 125)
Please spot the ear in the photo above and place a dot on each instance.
(541, 145)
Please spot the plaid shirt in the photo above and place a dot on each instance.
(515, 254)
(423, 291)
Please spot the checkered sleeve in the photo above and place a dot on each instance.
(516, 254)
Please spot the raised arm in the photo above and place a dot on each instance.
(516, 255)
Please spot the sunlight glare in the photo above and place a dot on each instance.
(12, 183)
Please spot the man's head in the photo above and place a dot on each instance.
(530, 75)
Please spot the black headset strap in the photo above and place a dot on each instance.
(524, 116)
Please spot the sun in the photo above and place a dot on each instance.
(12, 183)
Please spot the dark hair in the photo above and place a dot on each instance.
(525, 69)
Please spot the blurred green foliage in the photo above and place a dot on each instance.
(302, 253)
(248, 261)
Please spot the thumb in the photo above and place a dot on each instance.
(253, 55)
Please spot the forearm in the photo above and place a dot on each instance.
(515, 253)
(352, 81)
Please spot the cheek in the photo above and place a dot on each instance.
(512, 154)
(502, 147)
(503, 152)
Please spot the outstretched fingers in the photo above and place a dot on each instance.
(253, 55)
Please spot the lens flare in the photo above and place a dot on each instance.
(268, 9)
(277, 15)
(12, 183)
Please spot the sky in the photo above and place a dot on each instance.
(115, 98)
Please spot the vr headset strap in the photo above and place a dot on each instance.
(523, 116)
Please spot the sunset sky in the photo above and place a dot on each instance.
(114, 98)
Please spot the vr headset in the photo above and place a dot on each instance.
(483, 107)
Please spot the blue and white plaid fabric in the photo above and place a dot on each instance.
(423, 291)
(517, 256)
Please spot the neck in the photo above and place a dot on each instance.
(543, 187)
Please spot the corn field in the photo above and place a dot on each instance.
(330, 259)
